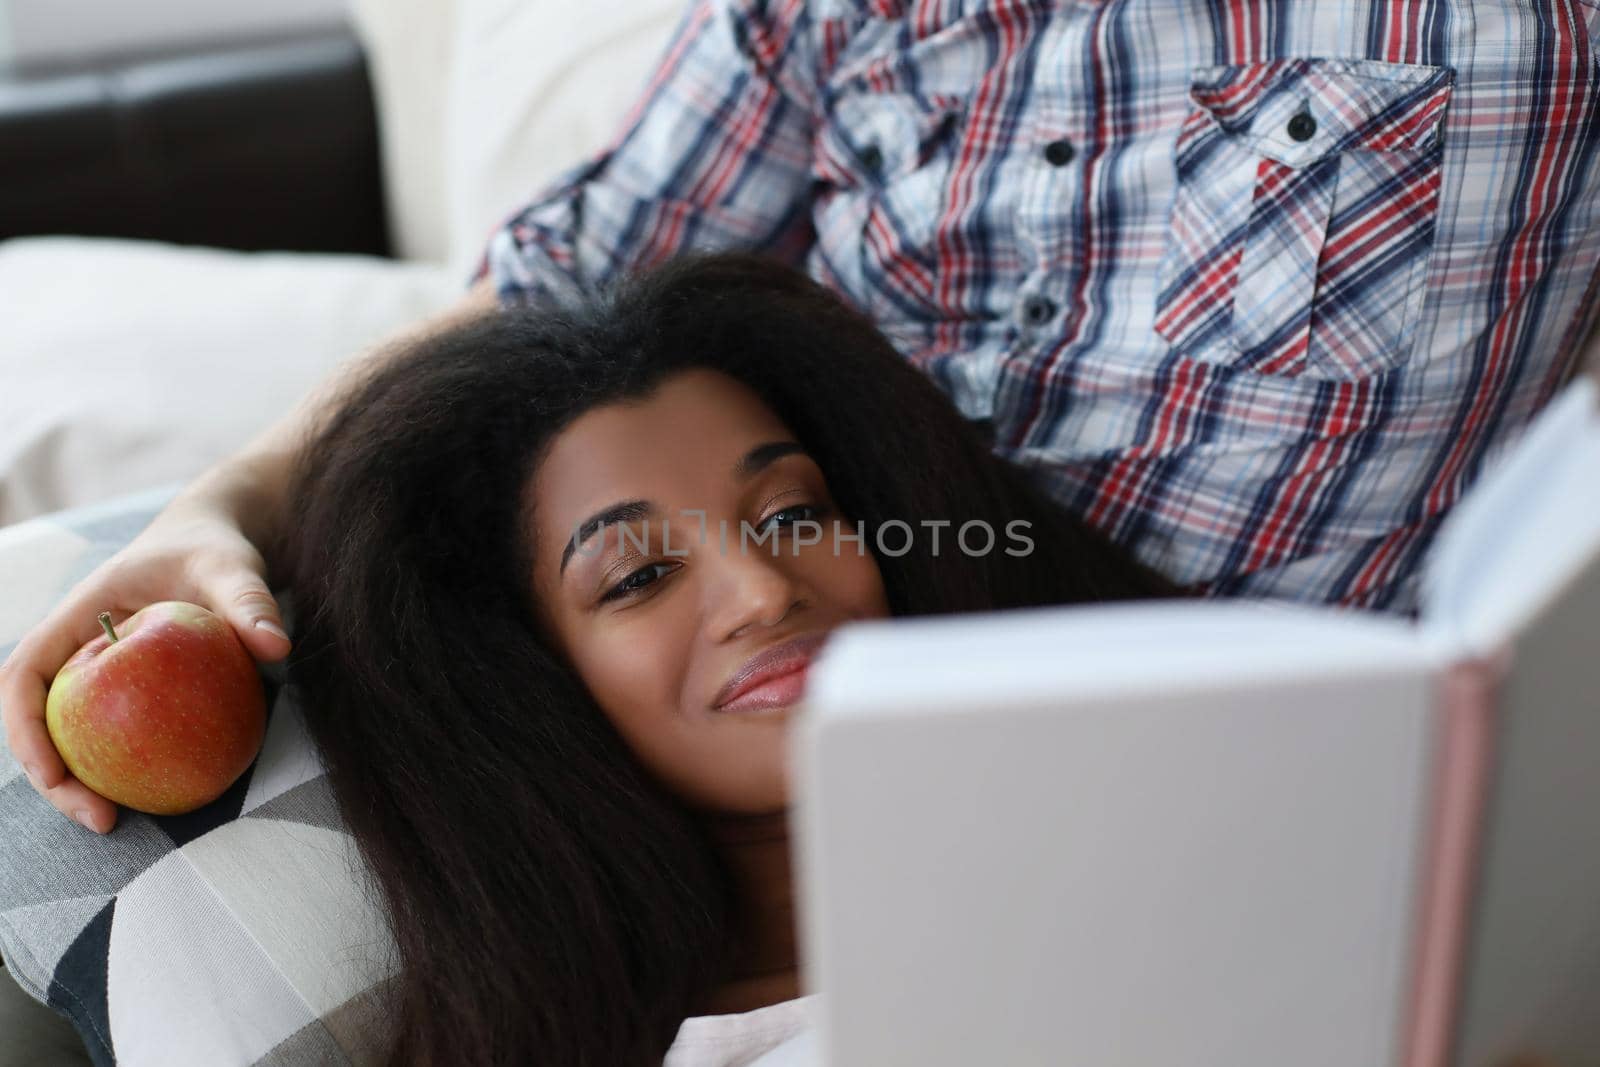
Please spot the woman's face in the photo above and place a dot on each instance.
(658, 633)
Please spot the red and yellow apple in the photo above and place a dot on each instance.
(162, 713)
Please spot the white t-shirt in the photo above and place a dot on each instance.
(778, 1035)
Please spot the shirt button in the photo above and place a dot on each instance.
(872, 158)
(1058, 153)
(1038, 310)
(1302, 127)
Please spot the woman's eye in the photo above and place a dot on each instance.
(815, 513)
(631, 584)
(644, 576)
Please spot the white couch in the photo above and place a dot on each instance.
(129, 365)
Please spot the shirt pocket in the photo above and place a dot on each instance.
(1307, 195)
(882, 163)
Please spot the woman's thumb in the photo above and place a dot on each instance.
(255, 616)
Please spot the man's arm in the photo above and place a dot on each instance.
(716, 155)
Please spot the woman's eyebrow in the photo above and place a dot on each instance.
(752, 463)
(760, 457)
(615, 515)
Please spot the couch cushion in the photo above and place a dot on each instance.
(408, 45)
(242, 933)
(536, 86)
(482, 102)
(128, 364)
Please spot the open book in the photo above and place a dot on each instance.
(1228, 834)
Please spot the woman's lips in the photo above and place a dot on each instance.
(778, 692)
(768, 667)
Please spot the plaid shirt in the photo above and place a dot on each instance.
(1256, 287)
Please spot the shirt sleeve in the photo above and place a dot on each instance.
(716, 155)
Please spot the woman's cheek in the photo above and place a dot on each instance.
(631, 674)
(860, 584)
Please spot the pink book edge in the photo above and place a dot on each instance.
(1468, 696)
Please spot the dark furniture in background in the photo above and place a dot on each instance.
(271, 144)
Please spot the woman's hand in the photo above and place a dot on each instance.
(193, 550)
(201, 548)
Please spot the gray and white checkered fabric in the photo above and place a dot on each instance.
(244, 933)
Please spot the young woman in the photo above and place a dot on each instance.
(557, 575)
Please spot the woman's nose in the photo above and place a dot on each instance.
(752, 588)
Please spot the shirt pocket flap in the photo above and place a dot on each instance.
(1298, 111)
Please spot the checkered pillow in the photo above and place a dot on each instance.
(243, 933)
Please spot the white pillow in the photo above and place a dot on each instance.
(126, 365)
(536, 87)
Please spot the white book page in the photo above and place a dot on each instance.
(922, 665)
(1526, 529)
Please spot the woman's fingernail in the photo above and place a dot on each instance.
(33, 776)
(271, 628)
(83, 817)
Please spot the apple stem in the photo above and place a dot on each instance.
(105, 624)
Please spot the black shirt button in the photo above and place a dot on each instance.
(1038, 310)
(1302, 127)
(872, 158)
(1058, 153)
